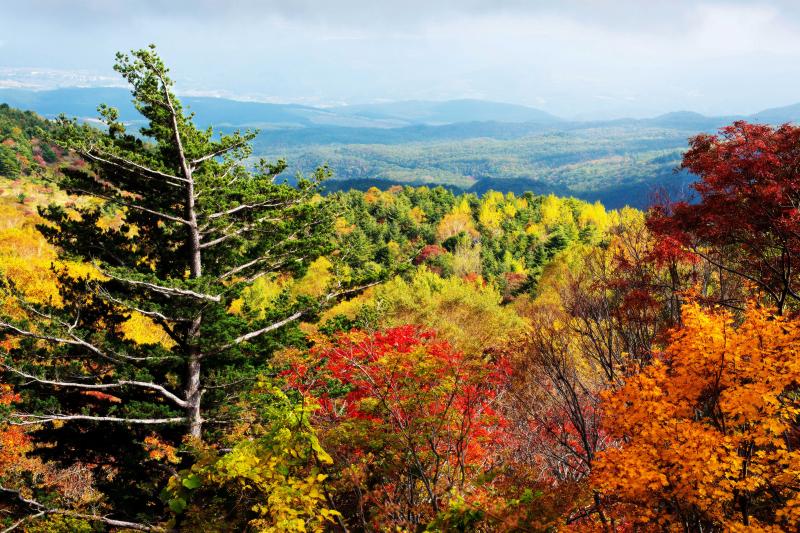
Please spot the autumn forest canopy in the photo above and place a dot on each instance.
(193, 339)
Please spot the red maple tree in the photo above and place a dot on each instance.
(746, 221)
(412, 419)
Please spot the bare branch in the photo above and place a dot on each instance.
(137, 207)
(220, 151)
(22, 520)
(109, 521)
(126, 164)
(212, 190)
(290, 318)
(243, 229)
(243, 266)
(261, 259)
(74, 340)
(169, 291)
(352, 290)
(44, 510)
(242, 207)
(254, 334)
(30, 420)
(100, 386)
(152, 314)
(25, 333)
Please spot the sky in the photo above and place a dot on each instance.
(575, 59)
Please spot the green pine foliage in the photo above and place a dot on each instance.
(140, 340)
(505, 239)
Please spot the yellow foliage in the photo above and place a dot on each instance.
(493, 198)
(316, 280)
(628, 217)
(457, 221)
(489, 216)
(394, 249)
(236, 307)
(374, 195)
(469, 314)
(536, 230)
(557, 271)
(348, 308)
(142, 329)
(417, 214)
(342, 227)
(77, 270)
(114, 221)
(277, 467)
(510, 210)
(495, 208)
(594, 214)
(25, 257)
(467, 259)
(708, 425)
(554, 212)
(259, 296)
(513, 265)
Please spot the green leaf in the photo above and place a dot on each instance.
(177, 505)
(192, 482)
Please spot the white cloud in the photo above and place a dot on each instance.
(644, 56)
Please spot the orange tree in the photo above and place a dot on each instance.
(708, 433)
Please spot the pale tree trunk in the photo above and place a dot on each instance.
(194, 390)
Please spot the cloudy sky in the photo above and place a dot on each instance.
(591, 58)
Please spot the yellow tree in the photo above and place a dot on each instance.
(459, 220)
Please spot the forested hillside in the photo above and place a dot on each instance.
(21, 151)
(619, 166)
(194, 339)
(466, 145)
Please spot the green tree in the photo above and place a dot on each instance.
(9, 166)
(140, 351)
(48, 154)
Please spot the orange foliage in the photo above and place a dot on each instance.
(102, 396)
(72, 485)
(159, 450)
(13, 440)
(709, 434)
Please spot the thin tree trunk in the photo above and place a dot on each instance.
(193, 389)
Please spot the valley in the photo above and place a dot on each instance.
(466, 145)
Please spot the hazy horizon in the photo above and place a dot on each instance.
(590, 59)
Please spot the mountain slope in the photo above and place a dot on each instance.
(489, 146)
(450, 111)
(777, 115)
(82, 102)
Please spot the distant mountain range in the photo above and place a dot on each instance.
(448, 112)
(472, 145)
(82, 103)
